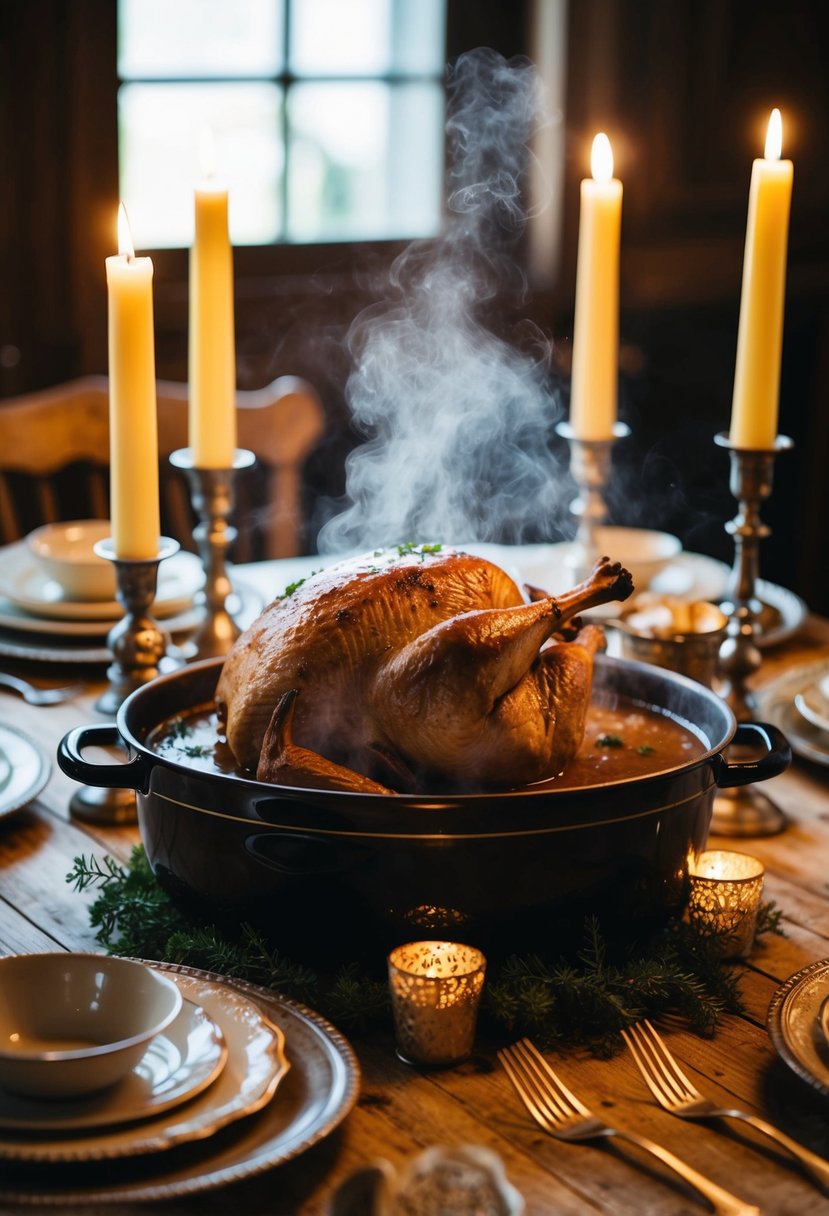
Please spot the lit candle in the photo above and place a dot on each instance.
(593, 385)
(212, 354)
(760, 335)
(435, 990)
(724, 899)
(133, 425)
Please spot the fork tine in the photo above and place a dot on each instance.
(552, 1078)
(545, 1093)
(660, 1071)
(643, 1064)
(668, 1065)
(512, 1071)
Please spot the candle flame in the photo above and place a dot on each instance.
(125, 245)
(601, 158)
(774, 136)
(207, 152)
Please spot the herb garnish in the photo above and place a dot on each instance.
(610, 741)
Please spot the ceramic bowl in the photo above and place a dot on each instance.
(65, 552)
(643, 551)
(71, 1024)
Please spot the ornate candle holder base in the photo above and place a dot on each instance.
(115, 807)
(745, 811)
(590, 461)
(138, 643)
(212, 495)
(139, 647)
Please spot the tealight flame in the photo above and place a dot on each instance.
(774, 136)
(207, 152)
(125, 245)
(601, 158)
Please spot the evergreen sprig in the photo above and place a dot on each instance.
(585, 1000)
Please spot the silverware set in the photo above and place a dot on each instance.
(562, 1115)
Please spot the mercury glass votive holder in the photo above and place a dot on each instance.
(724, 901)
(435, 991)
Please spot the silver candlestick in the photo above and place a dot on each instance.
(140, 649)
(745, 811)
(212, 496)
(590, 462)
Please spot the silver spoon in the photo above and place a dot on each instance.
(38, 696)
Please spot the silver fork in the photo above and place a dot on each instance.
(39, 696)
(673, 1091)
(560, 1113)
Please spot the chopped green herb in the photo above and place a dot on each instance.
(292, 587)
(645, 749)
(196, 749)
(419, 550)
(610, 741)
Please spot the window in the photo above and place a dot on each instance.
(327, 117)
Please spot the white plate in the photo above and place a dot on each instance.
(24, 582)
(794, 1024)
(775, 704)
(254, 1067)
(25, 637)
(178, 1065)
(29, 769)
(813, 703)
(318, 1093)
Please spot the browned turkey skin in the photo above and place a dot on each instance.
(400, 671)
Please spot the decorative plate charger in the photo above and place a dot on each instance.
(797, 1021)
(318, 1092)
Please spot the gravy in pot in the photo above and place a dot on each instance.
(622, 741)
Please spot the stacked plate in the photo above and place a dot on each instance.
(39, 622)
(241, 1081)
(798, 702)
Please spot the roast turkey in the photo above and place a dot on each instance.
(414, 668)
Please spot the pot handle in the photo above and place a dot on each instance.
(775, 760)
(130, 775)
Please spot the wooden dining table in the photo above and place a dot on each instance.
(402, 1110)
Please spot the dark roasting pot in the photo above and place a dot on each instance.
(326, 871)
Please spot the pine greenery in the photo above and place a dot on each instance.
(585, 1000)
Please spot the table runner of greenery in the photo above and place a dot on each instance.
(557, 1000)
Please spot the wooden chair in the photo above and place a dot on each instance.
(54, 458)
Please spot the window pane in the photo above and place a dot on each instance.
(160, 126)
(181, 38)
(367, 37)
(365, 161)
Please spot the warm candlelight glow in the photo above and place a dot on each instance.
(133, 438)
(774, 136)
(760, 334)
(593, 383)
(125, 245)
(601, 158)
(435, 990)
(724, 899)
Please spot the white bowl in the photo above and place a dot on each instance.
(71, 1024)
(643, 551)
(65, 552)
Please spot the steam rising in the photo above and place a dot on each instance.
(457, 420)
